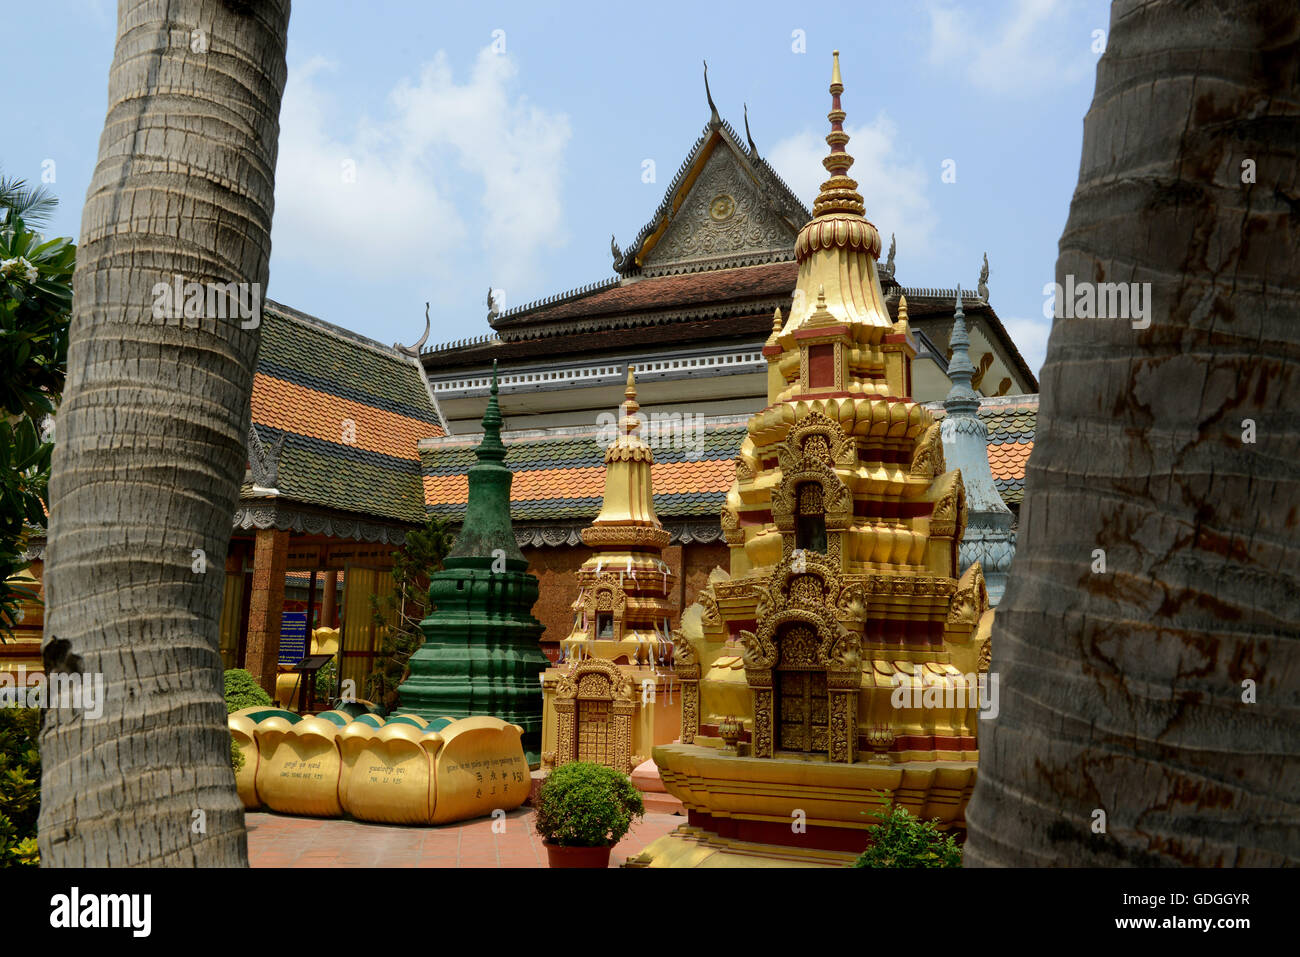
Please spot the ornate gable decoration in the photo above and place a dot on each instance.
(725, 207)
(726, 217)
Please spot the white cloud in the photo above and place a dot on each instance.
(893, 189)
(1030, 337)
(1023, 54)
(451, 172)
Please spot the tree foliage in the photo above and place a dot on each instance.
(583, 804)
(243, 691)
(419, 557)
(35, 309)
(903, 840)
(20, 786)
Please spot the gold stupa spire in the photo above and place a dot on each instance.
(837, 249)
(631, 425)
(839, 194)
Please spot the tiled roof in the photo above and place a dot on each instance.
(560, 477)
(351, 412)
(665, 292)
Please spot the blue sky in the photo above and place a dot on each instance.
(477, 168)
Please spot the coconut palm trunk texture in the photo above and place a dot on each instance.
(150, 443)
(1148, 646)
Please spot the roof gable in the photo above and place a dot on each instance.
(689, 232)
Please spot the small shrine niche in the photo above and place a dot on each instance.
(810, 518)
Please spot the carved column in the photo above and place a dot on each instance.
(763, 745)
(689, 675)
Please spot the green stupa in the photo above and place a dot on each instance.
(480, 654)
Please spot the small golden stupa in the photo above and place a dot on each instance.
(824, 675)
(613, 694)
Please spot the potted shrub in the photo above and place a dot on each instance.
(583, 810)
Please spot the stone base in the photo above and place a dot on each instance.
(745, 811)
(537, 779)
(653, 793)
(690, 846)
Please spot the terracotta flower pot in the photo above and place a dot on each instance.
(559, 856)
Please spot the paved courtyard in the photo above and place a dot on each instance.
(276, 840)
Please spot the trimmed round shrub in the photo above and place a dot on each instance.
(243, 691)
(587, 805)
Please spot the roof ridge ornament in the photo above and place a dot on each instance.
(753, 150)
(714, 119)
(983, 287)
(414, 349)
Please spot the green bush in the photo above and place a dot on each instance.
(587, 805)
(20, 786)
(236, 756)
(243, 691)
(901, 840)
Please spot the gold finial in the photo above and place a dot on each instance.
(777, 322)
(902, 309)
(630, 406)
(839, 193)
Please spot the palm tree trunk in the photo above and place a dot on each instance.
(1127, 692)
(151, 437)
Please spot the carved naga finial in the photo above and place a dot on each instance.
(414, 349)
(714, 119)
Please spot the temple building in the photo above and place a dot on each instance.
(480, 653)
(843, 522)
(689, 304)
(612, 696)
(334, 483)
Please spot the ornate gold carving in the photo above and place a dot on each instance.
(927, 458)
(758, 654)
(836, 500)
(970, 600)
(637, 536)
(762, 744)
(690, 710)
(948, 520)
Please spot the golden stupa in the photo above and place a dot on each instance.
(836, 667)
(613, 694)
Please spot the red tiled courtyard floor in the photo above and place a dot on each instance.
(276, 840)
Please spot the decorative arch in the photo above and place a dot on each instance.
(594, 705)
(605, 596)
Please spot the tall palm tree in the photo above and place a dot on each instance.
(33, 204)
(1149, 711)
(151, 437)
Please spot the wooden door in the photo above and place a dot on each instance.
(593, 732)
(802, 711)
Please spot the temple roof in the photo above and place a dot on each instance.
(336, 420)
(731, 304)
(559, 475)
